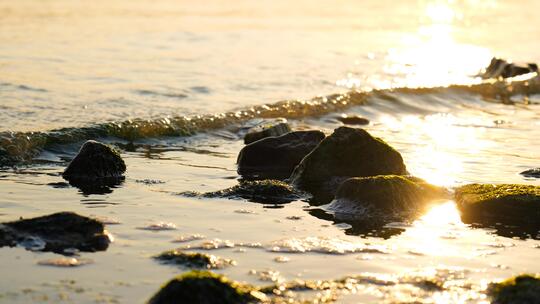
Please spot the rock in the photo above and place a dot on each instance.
(383, 196)
(347, 153)
(506, 203)
(500, 68)
(193, 259)
(265, 191)
(206, 287)
(268, 129)
(276, 157)
(95, 161)
(58, 232)
(522, 289)
(531, 173)
(353, 120)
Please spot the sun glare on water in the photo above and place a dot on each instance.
(432, 56)
(428, 234)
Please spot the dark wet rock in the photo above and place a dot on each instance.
(522, 289)
(276, 157)
(353, 120)
(206, 287)
(347, 153)
(193, 259)
(531, 173)
(500, 68)
(383, 196)
(58, 232)
(505, 203)
(267, 129)
(265, 191)
(95, 161)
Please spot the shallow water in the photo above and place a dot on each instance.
(72, 64)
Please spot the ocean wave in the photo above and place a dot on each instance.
(21, 147)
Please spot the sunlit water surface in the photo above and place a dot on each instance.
(71, 64)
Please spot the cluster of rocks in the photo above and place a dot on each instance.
(348, 173)
(350, 169)
(94, 167)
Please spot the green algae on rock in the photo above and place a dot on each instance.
(522, 289)
(193, 259)
(348, 152)
(206, 287)
(95, 161)
(276, 157)
(383, 195)
(57, 232)
(263, 191)
(507, 203)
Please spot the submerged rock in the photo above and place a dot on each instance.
(206, 287)
(268, 129)
(522, 289)
(348, 152)
(383, 196)
(95, 161)
(507, 203)
(531, 173)
(193, 259)
(276, 157)
(265, 191)
(58, 232)
(501, 68)
(353, 120)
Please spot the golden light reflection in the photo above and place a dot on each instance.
(446, 144)
(429, 234)
(432, 56)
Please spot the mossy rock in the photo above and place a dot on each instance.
(204, 287)
(264, 191)
(522, 289)
(348, 152)
(193, 259)
(276, 157)
(56, 232)
(384, 195)
(95, 161)
(506, 203)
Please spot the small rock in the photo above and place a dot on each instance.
(95, 161)
(531, 173)
(265, 191)
(383, 196)
(348, 152)
(193, 259)
(501, 68)
(505, 203)
(58, 232)
(268, 129)
(276, 157)
(353, 120)
(206, 287)
(516, 290)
